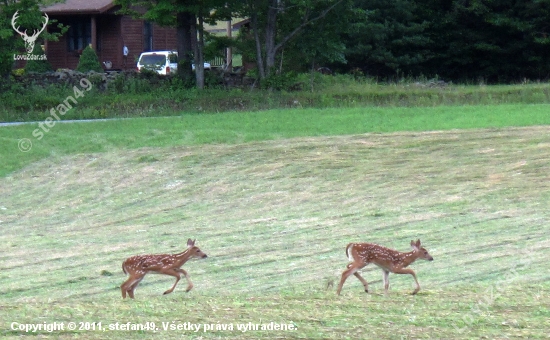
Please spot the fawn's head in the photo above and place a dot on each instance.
(195, 251)
(422, 252)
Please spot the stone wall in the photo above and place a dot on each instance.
(104, 80)
(71, 77)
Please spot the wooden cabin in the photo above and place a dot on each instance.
(96, 22)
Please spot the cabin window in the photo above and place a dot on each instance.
(147, 36)
(79, 35)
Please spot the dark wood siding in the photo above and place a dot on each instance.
(57, 51)
(164, 38)
(109, 40)
(132, 37)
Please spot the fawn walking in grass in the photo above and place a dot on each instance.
(138, 266)
(389, 260)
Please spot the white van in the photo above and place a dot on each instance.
(162, 62)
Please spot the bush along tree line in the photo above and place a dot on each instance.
(494, 41)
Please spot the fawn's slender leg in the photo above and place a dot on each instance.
(363, 281)
(189, 283)
(123, 290)
(352, 268)
(360, 278)
(409, 271)
(126, 286)
(386, 278)
(174, 273)
(133, 286)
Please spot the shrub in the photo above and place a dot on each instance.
(18, 72)
(39, 66)
(284, 81)
(89, 61)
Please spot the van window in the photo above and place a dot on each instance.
(153, 59)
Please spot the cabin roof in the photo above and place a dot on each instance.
(80, 7)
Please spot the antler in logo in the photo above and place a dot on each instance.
(29, 41)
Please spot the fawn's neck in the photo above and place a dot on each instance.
(409, 258)
(182, 257)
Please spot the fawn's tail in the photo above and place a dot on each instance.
(348, 252)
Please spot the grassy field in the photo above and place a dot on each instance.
(274, 205)
(239, 127)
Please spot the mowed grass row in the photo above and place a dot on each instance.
(274, 217)
(239, 127)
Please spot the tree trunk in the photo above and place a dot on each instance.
(259, 55)
(184, 20)
(198, 49)
(201, 47)
(271, 47)
(270, 32)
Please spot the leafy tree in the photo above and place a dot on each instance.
(29, 18)
(274, 23)
(320, 42)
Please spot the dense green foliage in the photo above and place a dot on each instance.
(498, 41)
(89, 61)
(492, 41)
(39, 66)
(153, 95)
(495, 40)
(29, 18)
(387, 37)
(10, 42)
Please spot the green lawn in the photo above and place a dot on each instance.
(242, 127)
(273, 198)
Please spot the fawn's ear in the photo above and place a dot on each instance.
(190, 242)
(418, 243)
(413, 245)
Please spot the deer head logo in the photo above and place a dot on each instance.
(29, 40)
